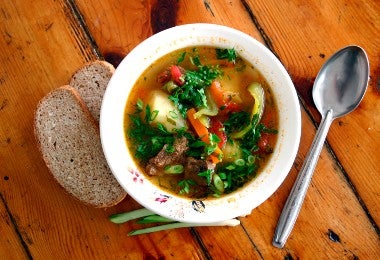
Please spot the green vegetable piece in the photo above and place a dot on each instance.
(185, 186)
(174, 169)
(257, 93)
(240, 162)
(127, 216)
(170, 86)
(139, 105)
(229, 54)
(192, 93)
(251, 159)
(211, 109)
(207, 174)
(230, 222)
(218, 183)
(181, 57)
(154, 219)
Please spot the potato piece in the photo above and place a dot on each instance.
(231, 152)
(168, 115)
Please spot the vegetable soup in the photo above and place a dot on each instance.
(201, 122)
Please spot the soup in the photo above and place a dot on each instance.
(201, 122)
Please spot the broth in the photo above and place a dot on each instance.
(201, 122)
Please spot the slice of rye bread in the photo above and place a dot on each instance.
(91, 81)
(69, 140)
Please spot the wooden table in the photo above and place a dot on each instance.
(43, 42)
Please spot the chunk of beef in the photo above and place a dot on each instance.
(156, 164)
(193, 167)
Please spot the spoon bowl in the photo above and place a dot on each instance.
(338, 89)
(341, 91)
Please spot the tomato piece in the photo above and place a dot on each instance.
(263, 143)
(217, 128)
(227, 109)
(177, 75)
(232, 107)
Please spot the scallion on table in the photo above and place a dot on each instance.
(147, 217)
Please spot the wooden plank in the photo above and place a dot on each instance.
(118, 28)
(11, 245)
(43, 45)
(39, 52)
(215, 239)
(304, 34)
(331, 210)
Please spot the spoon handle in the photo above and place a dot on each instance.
(294, 202)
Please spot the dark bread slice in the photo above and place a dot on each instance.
(69, 140)
(91, 81)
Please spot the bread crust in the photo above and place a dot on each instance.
(102, 190)
(91, 81)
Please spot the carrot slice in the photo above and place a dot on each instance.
(214, 159)
(217, 93)
(225, 105)
(199, 128)
(204, 134)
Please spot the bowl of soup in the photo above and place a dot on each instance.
(200, 123)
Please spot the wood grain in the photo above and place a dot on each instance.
(330, 204)
(118, 27)
(11, 244)
(304, 38)
(43, 43)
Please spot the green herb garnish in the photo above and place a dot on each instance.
(186, 185)
(148, 140)
(192, 92)
(228, 54)
(207, 174)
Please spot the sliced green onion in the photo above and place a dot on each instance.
(139, 105)
(230, 167)
(127, 216)
(170, 86)
(153, 115)
(218, 183)
(174, 169)
(239, 162)
(173, 114)
(251, 159)
(154, 219)
(230, 222)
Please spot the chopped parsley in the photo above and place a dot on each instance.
(186, 185)
(181, 57)
(148, 140)
(228, 54)
(192, 93)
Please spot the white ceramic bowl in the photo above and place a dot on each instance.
(239, 203)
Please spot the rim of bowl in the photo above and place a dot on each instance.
(238, 203)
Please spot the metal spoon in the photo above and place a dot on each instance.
(338, 89)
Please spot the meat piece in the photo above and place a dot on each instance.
(163, 158)
(193, 167)
(152, 170)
